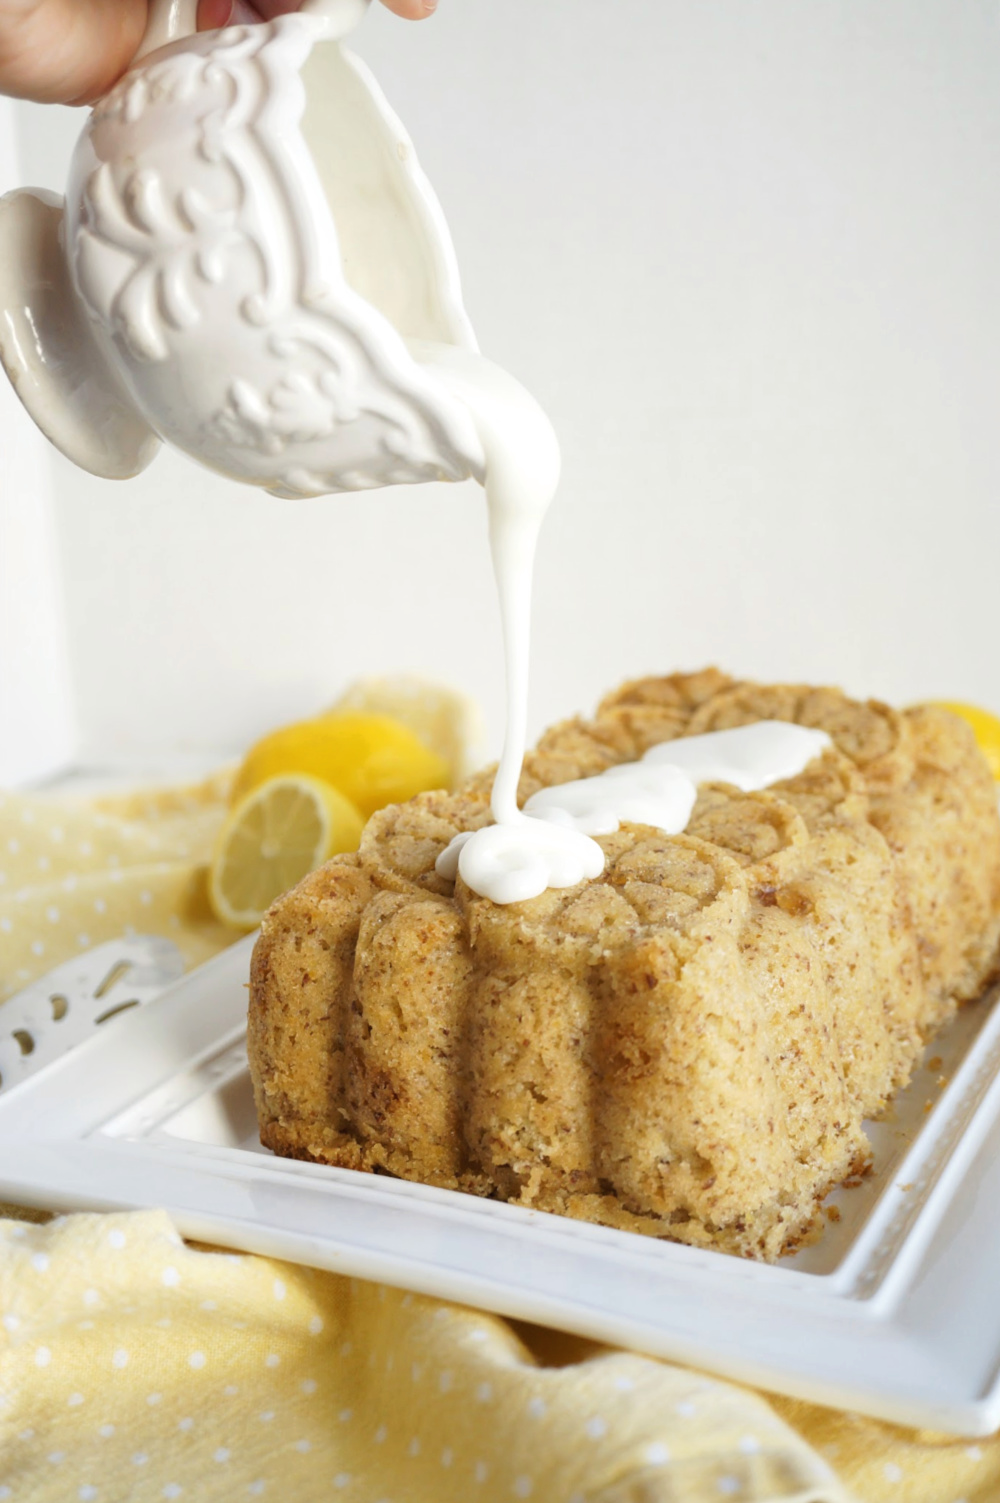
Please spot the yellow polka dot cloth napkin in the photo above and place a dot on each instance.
(76, 873)
(136, 1367)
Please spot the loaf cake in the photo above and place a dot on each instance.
(686, 1046)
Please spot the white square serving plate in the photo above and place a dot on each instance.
(894, 1311)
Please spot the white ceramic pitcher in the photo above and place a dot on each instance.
(237, 270)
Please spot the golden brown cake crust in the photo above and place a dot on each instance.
(685, 1046)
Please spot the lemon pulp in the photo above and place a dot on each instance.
(274, 836)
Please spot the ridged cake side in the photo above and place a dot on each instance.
(686, 1046)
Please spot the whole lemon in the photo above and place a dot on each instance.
(372, 759)
(985, 727)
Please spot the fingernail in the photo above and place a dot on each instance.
(213, 15)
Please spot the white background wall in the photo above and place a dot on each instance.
(748, 257)
(37, 729)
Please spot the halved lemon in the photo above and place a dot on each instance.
(276, 834)
(372, 759)
(986, 729)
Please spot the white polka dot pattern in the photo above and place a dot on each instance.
(75, 875)
(280, 1382)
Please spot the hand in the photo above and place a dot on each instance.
(71, 51)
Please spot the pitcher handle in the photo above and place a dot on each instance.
(171, 20)
(339, 16)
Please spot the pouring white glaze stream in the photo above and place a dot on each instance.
(517, 857)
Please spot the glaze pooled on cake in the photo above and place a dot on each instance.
(659, 790)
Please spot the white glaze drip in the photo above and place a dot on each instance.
(635, 793)
(661, 788)
(750, 757)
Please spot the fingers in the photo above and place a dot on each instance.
(72, 51)
(67, 51)
(214, 14)
(413, 10)
(261, 10)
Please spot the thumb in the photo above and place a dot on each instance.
(62, 51)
